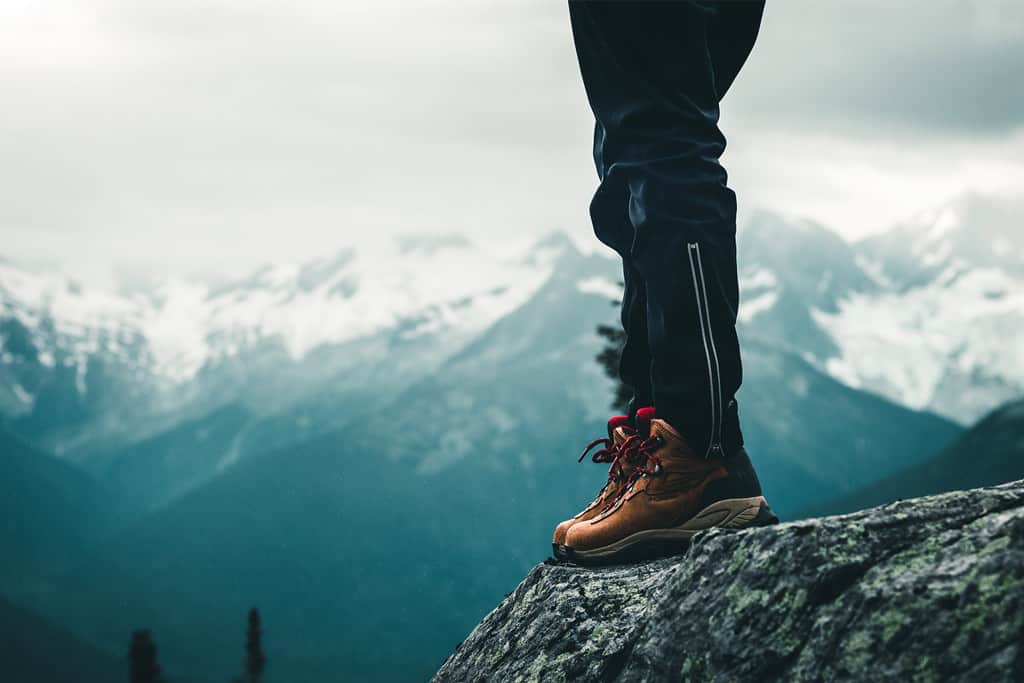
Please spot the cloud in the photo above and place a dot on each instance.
(220, 134)
(914, 67)
(859, 187)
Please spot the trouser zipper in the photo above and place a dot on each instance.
(710, 353)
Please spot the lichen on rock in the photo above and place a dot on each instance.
(929, 589)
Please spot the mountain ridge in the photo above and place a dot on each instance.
(990, 452)
(119, 370)
(34, 650)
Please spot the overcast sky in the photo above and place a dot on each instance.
(192, 136)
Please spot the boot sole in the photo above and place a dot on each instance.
(732, 513)
(559, 551)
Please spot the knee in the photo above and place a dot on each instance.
(610, 218)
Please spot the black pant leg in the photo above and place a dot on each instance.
(733, 29)
(635, 362)
(650, 79)
(609, 213)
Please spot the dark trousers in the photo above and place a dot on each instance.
(654, 73)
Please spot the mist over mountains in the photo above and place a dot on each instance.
(376, 444)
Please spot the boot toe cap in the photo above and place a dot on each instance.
(586, 536)
(562, 530)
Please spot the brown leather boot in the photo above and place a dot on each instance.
(667, 500)
(619, 451)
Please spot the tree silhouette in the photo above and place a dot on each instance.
(609, 357)
(143, 667)
(255, 661)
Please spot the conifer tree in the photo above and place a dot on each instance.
(143, 667)
(255, 660)
(608, 359)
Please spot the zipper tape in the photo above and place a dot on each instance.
(710, 352)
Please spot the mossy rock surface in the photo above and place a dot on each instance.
(930, 589)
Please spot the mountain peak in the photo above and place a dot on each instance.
(973, 231)
(826, 269)
(767, 225)
(551, 248)
(749, 605)
(428, 244)
(556, 239)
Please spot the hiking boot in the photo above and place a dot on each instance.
(618, 450)
(672, 494)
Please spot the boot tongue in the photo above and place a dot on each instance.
(670, 436)
(625, 430)
(644, 416)
(665, 430)
(618, 425)
(620, 435)
(616, 421)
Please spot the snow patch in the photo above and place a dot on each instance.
(751, 308)
(934, 255)
(760, 278)
(600, 286)
(22, 395)
(874, 270)
(907, 346)
(945, 223)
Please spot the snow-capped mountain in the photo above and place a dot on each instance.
(75, 355)
(426, 285)
(929, 314)
(970, 232)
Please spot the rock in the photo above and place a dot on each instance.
(925, 589)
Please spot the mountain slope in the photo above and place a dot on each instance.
(990, 452)
(927, 589)
(150, 473)
(534, 367)
(33, 650)
(48, 509)
(334, 545)
(813, 438)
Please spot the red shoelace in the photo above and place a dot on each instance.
(610, 453)
(633, 449)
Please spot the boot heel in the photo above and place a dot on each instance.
(765, 517)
